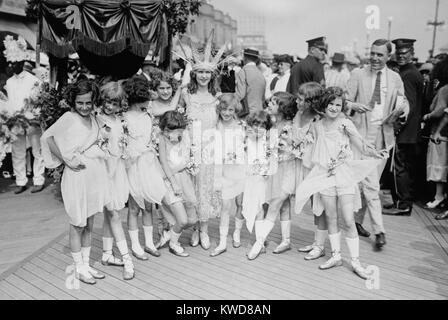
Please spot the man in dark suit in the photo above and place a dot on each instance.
(407, 136)
(250, 83)
(310, 68)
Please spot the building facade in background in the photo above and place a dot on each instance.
(252, 33)
(210, 18)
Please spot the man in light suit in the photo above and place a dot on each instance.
(377, 102)
(250, 83)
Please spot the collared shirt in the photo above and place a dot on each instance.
(282, 82)
(378, 111)
(19, 87)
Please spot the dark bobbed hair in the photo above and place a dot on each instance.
(137, 89)
(329, 95)
(259, 117)
(383, 42)
(173, 120)
(312, 92)
(79, 88)
(440, 72)
(287, 104)
(157, 78)
(213, 87)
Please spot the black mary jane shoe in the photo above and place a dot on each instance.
(20, 189)
(361, 231)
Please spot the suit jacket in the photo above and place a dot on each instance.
(307, 70)
(250, 87)
(413, 89)
(360, 90)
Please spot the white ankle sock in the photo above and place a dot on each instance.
(286, 230)
(174, 239)
(353, 247)
(77, 258)
(108, 244)
(239, 223)
(259, 229)
(149, 242)
(123, 247)
(320, 237)
(135, 242)
(335, 241)
(85, 252)
(267, 227)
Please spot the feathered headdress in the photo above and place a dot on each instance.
(15, 50)
(200, 60)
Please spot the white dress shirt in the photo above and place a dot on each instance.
(378, 111)
(20, 87)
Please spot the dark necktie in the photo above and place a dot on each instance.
(376, 97)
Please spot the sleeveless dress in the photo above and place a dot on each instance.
(144, 171)
(231, 173)
(283, 181)
(87, 191)
(116, 167)
(203, 118)
(178, 161)
(333, 161)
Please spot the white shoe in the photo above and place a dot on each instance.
(315, 253)
(282, 247)
(128, 270)
(433, 204)
(178, 250)
(236, 237)
(334, 261)
(307, 248)
(359, 269)
(194, 242)
(256, 250)
(110, 260)
(205, 240)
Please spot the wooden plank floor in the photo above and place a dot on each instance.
(412, 266)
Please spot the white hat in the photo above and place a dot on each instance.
(15, 50)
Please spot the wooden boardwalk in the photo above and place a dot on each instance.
(413, 265)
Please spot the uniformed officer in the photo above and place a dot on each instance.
(310, 68)
(407, 136)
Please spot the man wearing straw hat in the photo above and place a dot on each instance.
(250, 83)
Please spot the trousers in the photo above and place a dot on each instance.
(18, 153)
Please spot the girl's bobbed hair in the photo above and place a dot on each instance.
(79, 88)
(287, 104)
(137, 89)
(228, 99)
(113, 91)
(259, 118)
(172, 120)
(312, 93)
(213, 87)
(329, 95)
(158, 77)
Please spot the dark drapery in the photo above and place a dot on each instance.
(106, 34)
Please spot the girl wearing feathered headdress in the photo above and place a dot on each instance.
(200, 100)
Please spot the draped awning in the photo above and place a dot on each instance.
(104, 31)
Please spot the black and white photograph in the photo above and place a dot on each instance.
(224, 155)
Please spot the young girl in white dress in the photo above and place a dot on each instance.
(335, 175)
(309, 97)
(75, 141)
(168, 93)
(231, 133)
(175, 158)
(112, 96)
(261, 163)
(200, 105)
(145, 174)
(282, 108)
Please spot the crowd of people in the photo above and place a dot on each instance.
(253, 141)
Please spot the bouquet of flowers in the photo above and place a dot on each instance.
(299, 147)
(344, 154)
(193, 165)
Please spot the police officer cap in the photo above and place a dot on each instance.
(318, 42)
(403, 43)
